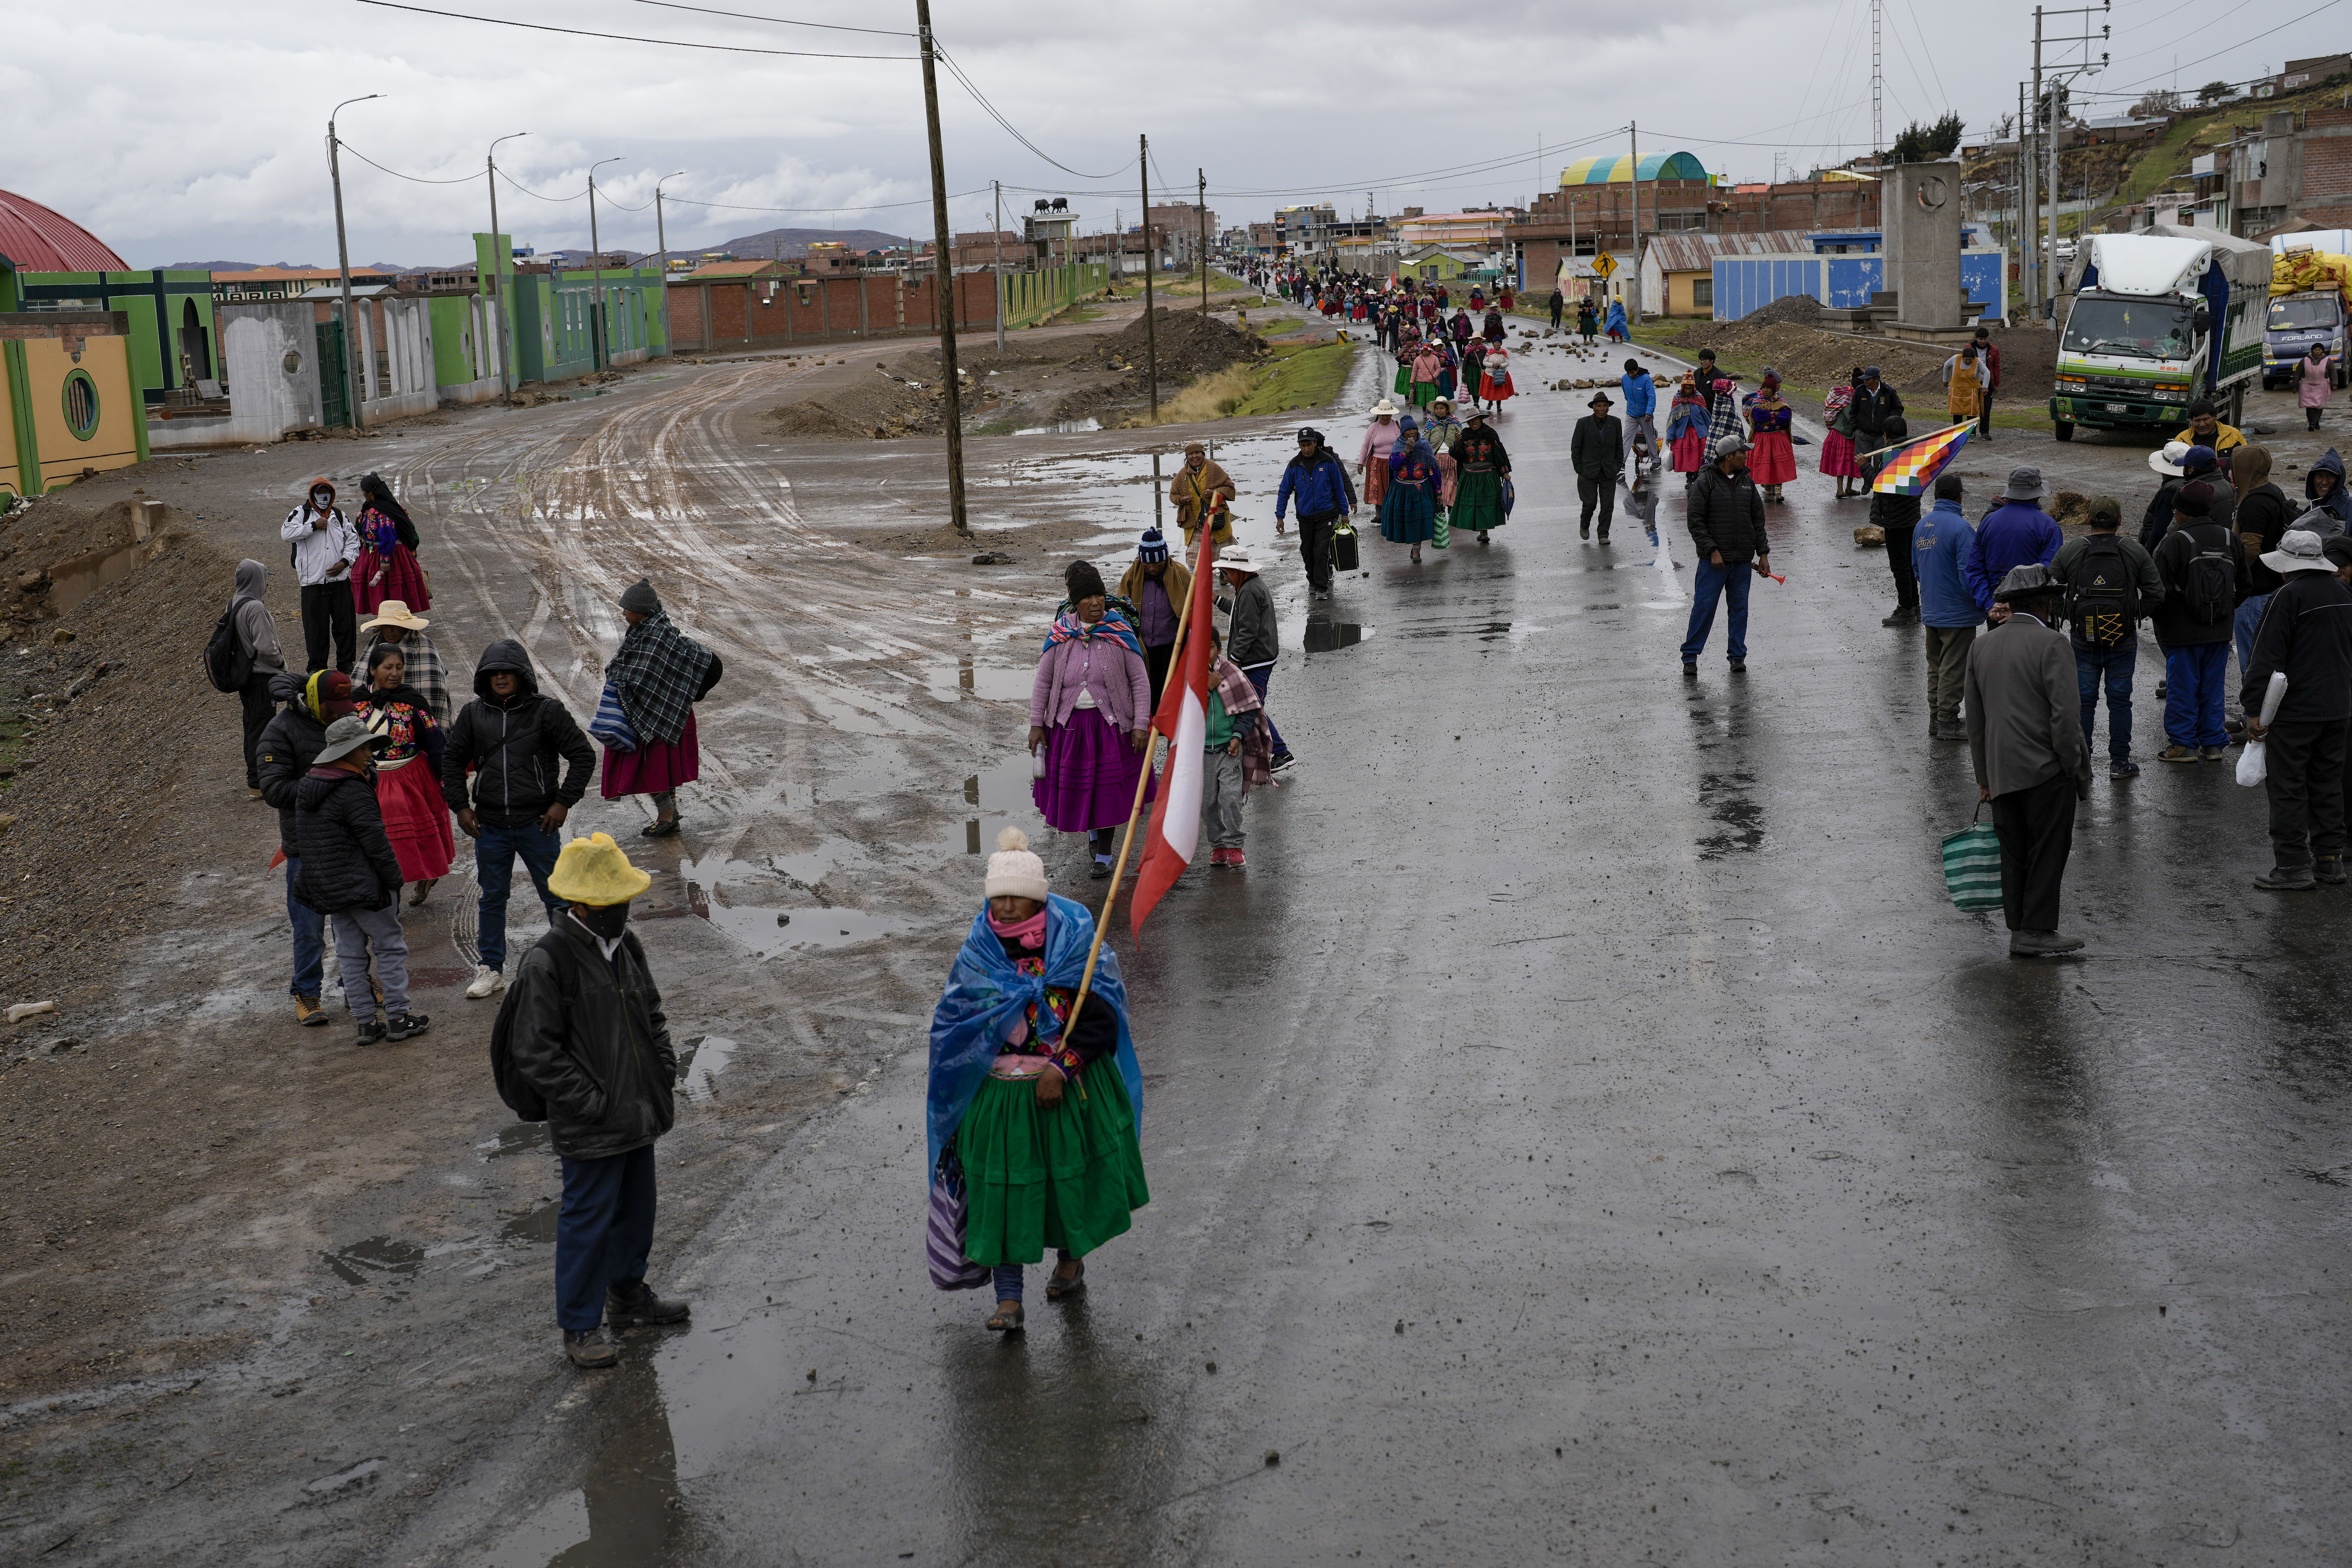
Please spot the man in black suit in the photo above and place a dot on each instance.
(1597, 451)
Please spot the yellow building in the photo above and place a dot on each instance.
(66, 398)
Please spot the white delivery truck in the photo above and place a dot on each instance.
(2160, 317)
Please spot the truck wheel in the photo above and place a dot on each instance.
(2064, 430)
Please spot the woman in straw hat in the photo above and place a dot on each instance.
(1372, 455)
(1041, 1141)
(586, 1046)
(408, 772)
(396, 626)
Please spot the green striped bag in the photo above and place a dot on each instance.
(1972, 866)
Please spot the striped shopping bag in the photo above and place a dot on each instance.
(1972, 866)
(943, 1234)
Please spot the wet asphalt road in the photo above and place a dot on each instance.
(1585, 1134)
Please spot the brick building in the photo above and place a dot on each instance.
(2292, 168)
(1586, 220)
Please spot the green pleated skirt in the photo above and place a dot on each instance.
(1477, 501)
(1034, 1178)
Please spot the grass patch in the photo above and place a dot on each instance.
(1292, 376)
(1076, 316)
(1004, 426)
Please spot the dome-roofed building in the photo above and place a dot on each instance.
(36, 239)
(1618, 168)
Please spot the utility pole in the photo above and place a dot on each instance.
(1151, 332)
(1877, 88)
(998, 267)
(2051, 121)
(943, 274)
(596, 269)
(661, 230)
(2026, 235)
(501, 252)
(1634, 135)
(343, 262)
(1203, 216)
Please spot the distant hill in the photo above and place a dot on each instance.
(791, 244)
(220, 266)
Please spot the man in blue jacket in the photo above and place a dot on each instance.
(1948, 608)
(2017, 533)
(1317, 480)
(1641, 407)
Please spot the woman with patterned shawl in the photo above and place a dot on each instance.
(658, 675)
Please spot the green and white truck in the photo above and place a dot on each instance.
(2159, 317)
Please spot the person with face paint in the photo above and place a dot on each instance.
(323, 546)
(583, 1029)
(350, 872)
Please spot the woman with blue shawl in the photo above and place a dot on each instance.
(1409, 505)
(1037, 1165)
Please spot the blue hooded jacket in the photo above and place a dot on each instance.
(986, 993)
(1640, 393)
(2011, 534)
(1319, 486)
(1940, 547)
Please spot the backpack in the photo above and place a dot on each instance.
(226, 664)
(2102, 600)
(521, 1096)
(2209, 584)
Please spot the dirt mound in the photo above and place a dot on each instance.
(1810, 356)
(1802, 310)
(904, 398)
(1188, 344)
(104, 631)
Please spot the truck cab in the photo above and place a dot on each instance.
(2159, 318)
(2295, 323)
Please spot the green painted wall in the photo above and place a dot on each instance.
(554, 312)
(157, 301)
(1029, 297)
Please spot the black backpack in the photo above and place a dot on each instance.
(2209, 584)
(521, 1096)
(226, 664)
(2102, 599)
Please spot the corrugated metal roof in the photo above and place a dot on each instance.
(1694, 252)
(39, 240)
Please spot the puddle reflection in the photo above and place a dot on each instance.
(522, 1138)
(378, 1259)
(534, 1225)
(626, 1508)
(703, 1056)
(1325, 634)
(1725, 798)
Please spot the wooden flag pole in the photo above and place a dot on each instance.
(1202, 567)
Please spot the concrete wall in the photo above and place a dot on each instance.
(396, 349)
(258, 340)
(1923, 243)
(771, 312)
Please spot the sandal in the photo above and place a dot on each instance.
(661, 827)
(1005, 1321)
(1056, 1288)
(416, 900)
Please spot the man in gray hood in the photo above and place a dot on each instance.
(257, 638)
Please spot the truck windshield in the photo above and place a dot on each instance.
(2145, 329)
(2309, 310)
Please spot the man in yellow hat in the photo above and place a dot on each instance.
(580, 1041)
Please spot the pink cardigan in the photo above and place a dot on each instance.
(1106, 667)
(1379, 441)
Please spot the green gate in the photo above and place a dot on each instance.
(334, 380)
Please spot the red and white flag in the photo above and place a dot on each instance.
(1183, 717)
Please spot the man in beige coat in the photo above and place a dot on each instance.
(2025, 737)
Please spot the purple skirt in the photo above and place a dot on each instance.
(1090, 773)
(656, 767)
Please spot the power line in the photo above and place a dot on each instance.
(460, 180)
(526, 190)
(2235, 46)
(779, 21)
(1404, 181)
(981, 98)
(885, 206)
(628, 37)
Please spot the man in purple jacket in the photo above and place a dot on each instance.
(2017, 533)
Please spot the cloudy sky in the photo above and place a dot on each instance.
(184, 134)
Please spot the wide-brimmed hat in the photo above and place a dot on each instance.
(2024, 582)
(2025, 483)
(1238, 559)
(2176, 457)
(346, 735)
(1601, 400)
(395, 613)
(593, 870)
(1384, 407)
(2299, 551)
(1435, 401)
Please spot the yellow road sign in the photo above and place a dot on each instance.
(1604, 264)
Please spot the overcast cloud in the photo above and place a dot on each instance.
(179, 132)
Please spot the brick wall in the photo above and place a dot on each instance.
(819, 310)
(2326, 158)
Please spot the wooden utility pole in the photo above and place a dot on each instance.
(1203, 202)
(353, 387)
(1151, 332)
(999, 267)
(943, 275)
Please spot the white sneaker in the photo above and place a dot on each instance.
(488, 982)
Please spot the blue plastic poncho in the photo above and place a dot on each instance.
(986, 993)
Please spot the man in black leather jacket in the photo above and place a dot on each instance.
(1726, 526)
(583, 1028)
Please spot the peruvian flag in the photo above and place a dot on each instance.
(1183, 717)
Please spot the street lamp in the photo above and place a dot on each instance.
(661, 235)
(344, 257)
(500, 254)
(596, 267)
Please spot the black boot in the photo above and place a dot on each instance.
(589, 1348)
(628, 1308)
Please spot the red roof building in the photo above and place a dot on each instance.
(39, 240)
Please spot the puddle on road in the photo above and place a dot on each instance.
(704, 1057)
(1326, 636)
(1725, 798)
(1001, 795)
(1485, 631)
(767, 930)
(1066, 427)
(522, 1138)
(534, 1225)
(378, 1259)
(970, 680)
